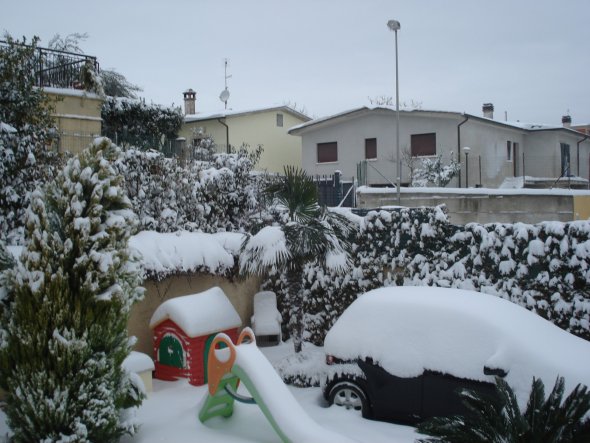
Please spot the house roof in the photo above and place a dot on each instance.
(363, 110)
(238, 113)
(199, 314)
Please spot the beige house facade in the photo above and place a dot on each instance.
(267, 127)
(77, 116)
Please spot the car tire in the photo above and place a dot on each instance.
(348, 394)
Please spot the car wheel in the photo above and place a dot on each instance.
(349, 395)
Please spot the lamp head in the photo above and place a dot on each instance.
(393, 25)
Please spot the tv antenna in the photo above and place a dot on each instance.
(224, 96)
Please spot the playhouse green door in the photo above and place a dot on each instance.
(170, 352)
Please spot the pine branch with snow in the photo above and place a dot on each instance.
(72, 291)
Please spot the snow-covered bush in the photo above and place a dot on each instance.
(68, 301)
(26, 159)
(433, 172)
(543, 267)
(208, 196)
(132, 122)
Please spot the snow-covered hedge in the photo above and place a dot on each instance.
(209, 196)
(543, 267)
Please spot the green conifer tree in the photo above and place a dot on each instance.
(71, 293)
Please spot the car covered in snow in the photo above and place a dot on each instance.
(401, 354)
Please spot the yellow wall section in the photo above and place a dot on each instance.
(256, 128)
(581, 207)
(78, 119)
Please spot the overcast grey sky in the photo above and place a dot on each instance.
(529, 58)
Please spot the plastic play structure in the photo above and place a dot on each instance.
(230, 364)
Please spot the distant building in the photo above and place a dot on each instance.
(232, 128)
(362, 142)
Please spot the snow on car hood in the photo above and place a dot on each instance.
(411, 329)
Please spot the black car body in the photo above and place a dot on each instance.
(379, 395)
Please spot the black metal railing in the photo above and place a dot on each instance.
(60, 69)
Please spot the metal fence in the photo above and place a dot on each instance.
(59, 69)
(74, 142)
(530, 171)
(334, 191)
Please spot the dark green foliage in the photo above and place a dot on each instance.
(65, 333)
(134, 123)
(115, 84)
(499, 419)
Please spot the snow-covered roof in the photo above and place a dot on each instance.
(199, 314)
(529, 127)
(235, 113)
(411, 329)
(170, 253)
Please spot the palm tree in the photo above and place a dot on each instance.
(499, 419)
(306, 233)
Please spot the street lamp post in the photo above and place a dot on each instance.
(394, 26)
(466, 150)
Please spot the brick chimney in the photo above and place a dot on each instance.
(566, 121)
(190, 97)
(488, 110)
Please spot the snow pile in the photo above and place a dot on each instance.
(171, 253)
(138, 362)
(411, 329)
(199, 314)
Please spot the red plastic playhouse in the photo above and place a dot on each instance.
(184, 328)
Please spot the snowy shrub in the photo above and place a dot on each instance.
(69, 299)
(432, 171)
(208, 196)
(543, 267)
(26, 159)
(132, 122)
(25, 164)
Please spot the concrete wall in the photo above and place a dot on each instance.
(257, 128)
(240, 293)
(489, 207)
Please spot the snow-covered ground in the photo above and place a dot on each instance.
(170, 414)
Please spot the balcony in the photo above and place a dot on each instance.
(61, 69)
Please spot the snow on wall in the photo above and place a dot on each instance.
(170, 253)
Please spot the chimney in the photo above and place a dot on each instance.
(190, 97)
(488, 110)
(566, 120)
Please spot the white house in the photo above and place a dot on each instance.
(362, 142)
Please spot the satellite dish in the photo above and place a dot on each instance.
(224, 96)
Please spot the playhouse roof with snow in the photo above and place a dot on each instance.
(198, 314)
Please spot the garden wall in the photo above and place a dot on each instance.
(487, 205)
(239, 291)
